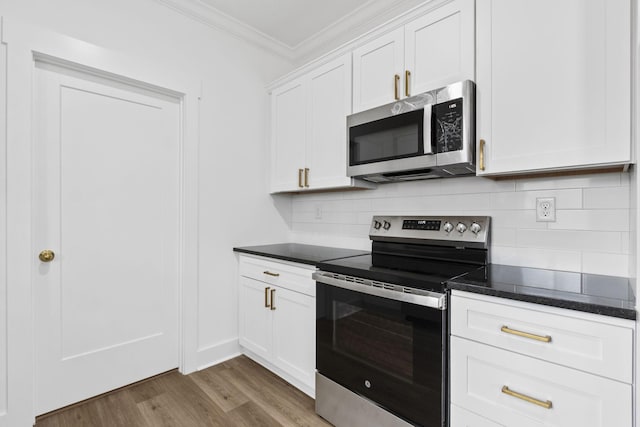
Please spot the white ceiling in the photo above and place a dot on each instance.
(288, 21)
(295, 29)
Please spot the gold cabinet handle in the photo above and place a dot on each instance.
(395, 87)
(273, 299)
(543, 338)
(547, 404)
(306, 177)
(300, 178)
(266, 297)
(481, 155)
(407, 75)
(268, 273)
(47, 255)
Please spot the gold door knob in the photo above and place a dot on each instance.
(46, 255)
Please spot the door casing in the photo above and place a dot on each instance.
(24, 45)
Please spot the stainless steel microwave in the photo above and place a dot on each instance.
(431, 135)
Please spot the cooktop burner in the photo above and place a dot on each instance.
(418, 251)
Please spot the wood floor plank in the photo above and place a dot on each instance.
(286, 404)
(224, 393)
(238, 392)
(126, 415)
(184, 397)
(164, 411)
(251, 414)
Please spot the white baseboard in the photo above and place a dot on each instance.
(217, 353)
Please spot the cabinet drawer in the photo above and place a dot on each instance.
(460, 417)
(591, 343)
(286, 275)
(480, 373)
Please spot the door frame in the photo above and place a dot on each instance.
(24, 45)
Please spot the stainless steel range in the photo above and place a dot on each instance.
(381, 321)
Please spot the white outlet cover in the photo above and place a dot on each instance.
(546, 209)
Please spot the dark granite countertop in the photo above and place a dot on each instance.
(608, 295)
(296, 252)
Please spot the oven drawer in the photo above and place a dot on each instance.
(520, 391)
(293, 276)
(589, 342)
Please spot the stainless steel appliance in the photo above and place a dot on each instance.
(381, 321)
(431, 135)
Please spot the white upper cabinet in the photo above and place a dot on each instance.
(429, 52)
(553, 84)
(288, 132)
(328, 104)
(439, 48)
(309, 128)
(377, 70)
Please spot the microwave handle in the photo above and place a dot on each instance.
(426, 127)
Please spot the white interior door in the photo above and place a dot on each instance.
(106, 202)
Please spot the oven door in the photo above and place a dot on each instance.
(390, 351)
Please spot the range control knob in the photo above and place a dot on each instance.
(461, 228)
(447, 227)
(387, 225)
(475, 228)
(377, 225)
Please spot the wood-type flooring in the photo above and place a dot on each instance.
(238, 392)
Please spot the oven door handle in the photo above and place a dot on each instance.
(384, 290)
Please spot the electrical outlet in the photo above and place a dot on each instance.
(546, 209)
(318, 212)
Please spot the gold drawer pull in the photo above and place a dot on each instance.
(273, 300)
(266, 297)
(300, 178)
(508, 330)
(306, 177)
(546, 404)
(268, 273)
(481, 166)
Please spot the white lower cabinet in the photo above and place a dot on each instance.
(462, 418)
(277, 318)
(526, 378)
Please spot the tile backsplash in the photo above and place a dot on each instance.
(590, 234)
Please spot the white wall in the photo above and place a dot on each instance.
(234, 201)
(591, 233)
(3, 239)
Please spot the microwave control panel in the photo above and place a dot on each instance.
(447, 125)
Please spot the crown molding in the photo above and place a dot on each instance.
(371, 18)
(368, 16)
(355, 38)
(212, 17)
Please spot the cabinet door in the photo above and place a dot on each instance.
(255, 318)
(553, 84)
(375, 66)
(288, 133)
(329, 103)
(294, 335)
(439, 47)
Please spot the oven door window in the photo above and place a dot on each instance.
(388, 351)
(395, 137)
